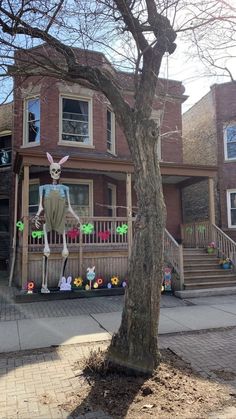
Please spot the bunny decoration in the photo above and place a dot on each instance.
(54, 200)
(90, 275)
(65, 284)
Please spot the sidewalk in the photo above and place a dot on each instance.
(45, 324)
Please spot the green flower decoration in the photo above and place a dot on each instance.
(189, 230)
(122, 229)
(87, 228)
(201, 229)
(20, 225)
(38, 234)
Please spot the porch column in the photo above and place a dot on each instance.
(129, 211)
(212, 215)
(25, 214)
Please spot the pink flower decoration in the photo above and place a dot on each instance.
(104, 235)
(73, 233)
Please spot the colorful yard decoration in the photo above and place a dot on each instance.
(95, 285)
(122, 229)
(225, 263)
(65, 284)
(167, 279)
(104, 235)
(30, 287)
(78, 282)
(90, 275)
(37, 234)
(87, 228)
(109, 285)
(87, 287)
(100, 282)
(124, 284)
(20, 225)
(211, 248)
(73, 233)
(115, 281)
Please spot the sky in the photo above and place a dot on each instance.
(196, 79)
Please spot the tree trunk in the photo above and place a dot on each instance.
(135, 346)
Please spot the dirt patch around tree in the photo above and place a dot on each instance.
(175, 390)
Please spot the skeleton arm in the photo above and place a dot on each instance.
(70, 209)
(40, 209)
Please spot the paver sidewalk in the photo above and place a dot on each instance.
(44, 324)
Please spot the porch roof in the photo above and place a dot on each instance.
(175, 173)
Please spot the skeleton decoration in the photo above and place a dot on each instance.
(54, 200)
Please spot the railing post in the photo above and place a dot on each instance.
(129, 212)
(25, 211)
(181, 267)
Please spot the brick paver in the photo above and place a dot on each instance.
(211, 353)
(63, 308)
(33, 384)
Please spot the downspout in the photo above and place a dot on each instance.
(14, 232)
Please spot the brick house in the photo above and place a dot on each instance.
(209, 137)
(62, 118)
(5, 183)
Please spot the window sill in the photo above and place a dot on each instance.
(112, 153)
(74, 144)
(230, 160)
(30, 145)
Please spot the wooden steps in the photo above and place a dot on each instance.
(202, 270)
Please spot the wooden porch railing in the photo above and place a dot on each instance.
(174, 254)
(225, 245)
(101, 231)
(196, 234)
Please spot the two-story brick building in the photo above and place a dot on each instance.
(51, 115)
(209, 136)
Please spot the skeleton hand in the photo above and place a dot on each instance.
(36, 221)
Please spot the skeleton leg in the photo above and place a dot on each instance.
(46, 250)
(46, 254)
(63, 267)
(44, 289)
(65, 252)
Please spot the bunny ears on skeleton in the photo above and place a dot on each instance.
(63, 160)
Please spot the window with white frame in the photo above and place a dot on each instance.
(231, 206)
(76, 121)
(110, 131)
(33, 197)
(230, 141)
(32, 121)
(81, 196)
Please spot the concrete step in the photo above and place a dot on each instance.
(206, 292)
(199, 285)
(215, 271)
(209, 278)
(202, 266)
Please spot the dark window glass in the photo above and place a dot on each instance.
(79, 198)
(33, 198)
(33, 121)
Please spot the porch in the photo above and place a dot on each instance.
(108, 244)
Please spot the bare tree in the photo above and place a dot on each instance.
(140, 32)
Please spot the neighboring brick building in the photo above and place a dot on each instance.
(209, 137)
(5, 182)
(68, 119)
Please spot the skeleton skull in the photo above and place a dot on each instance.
(55, 171)
(55, 168)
